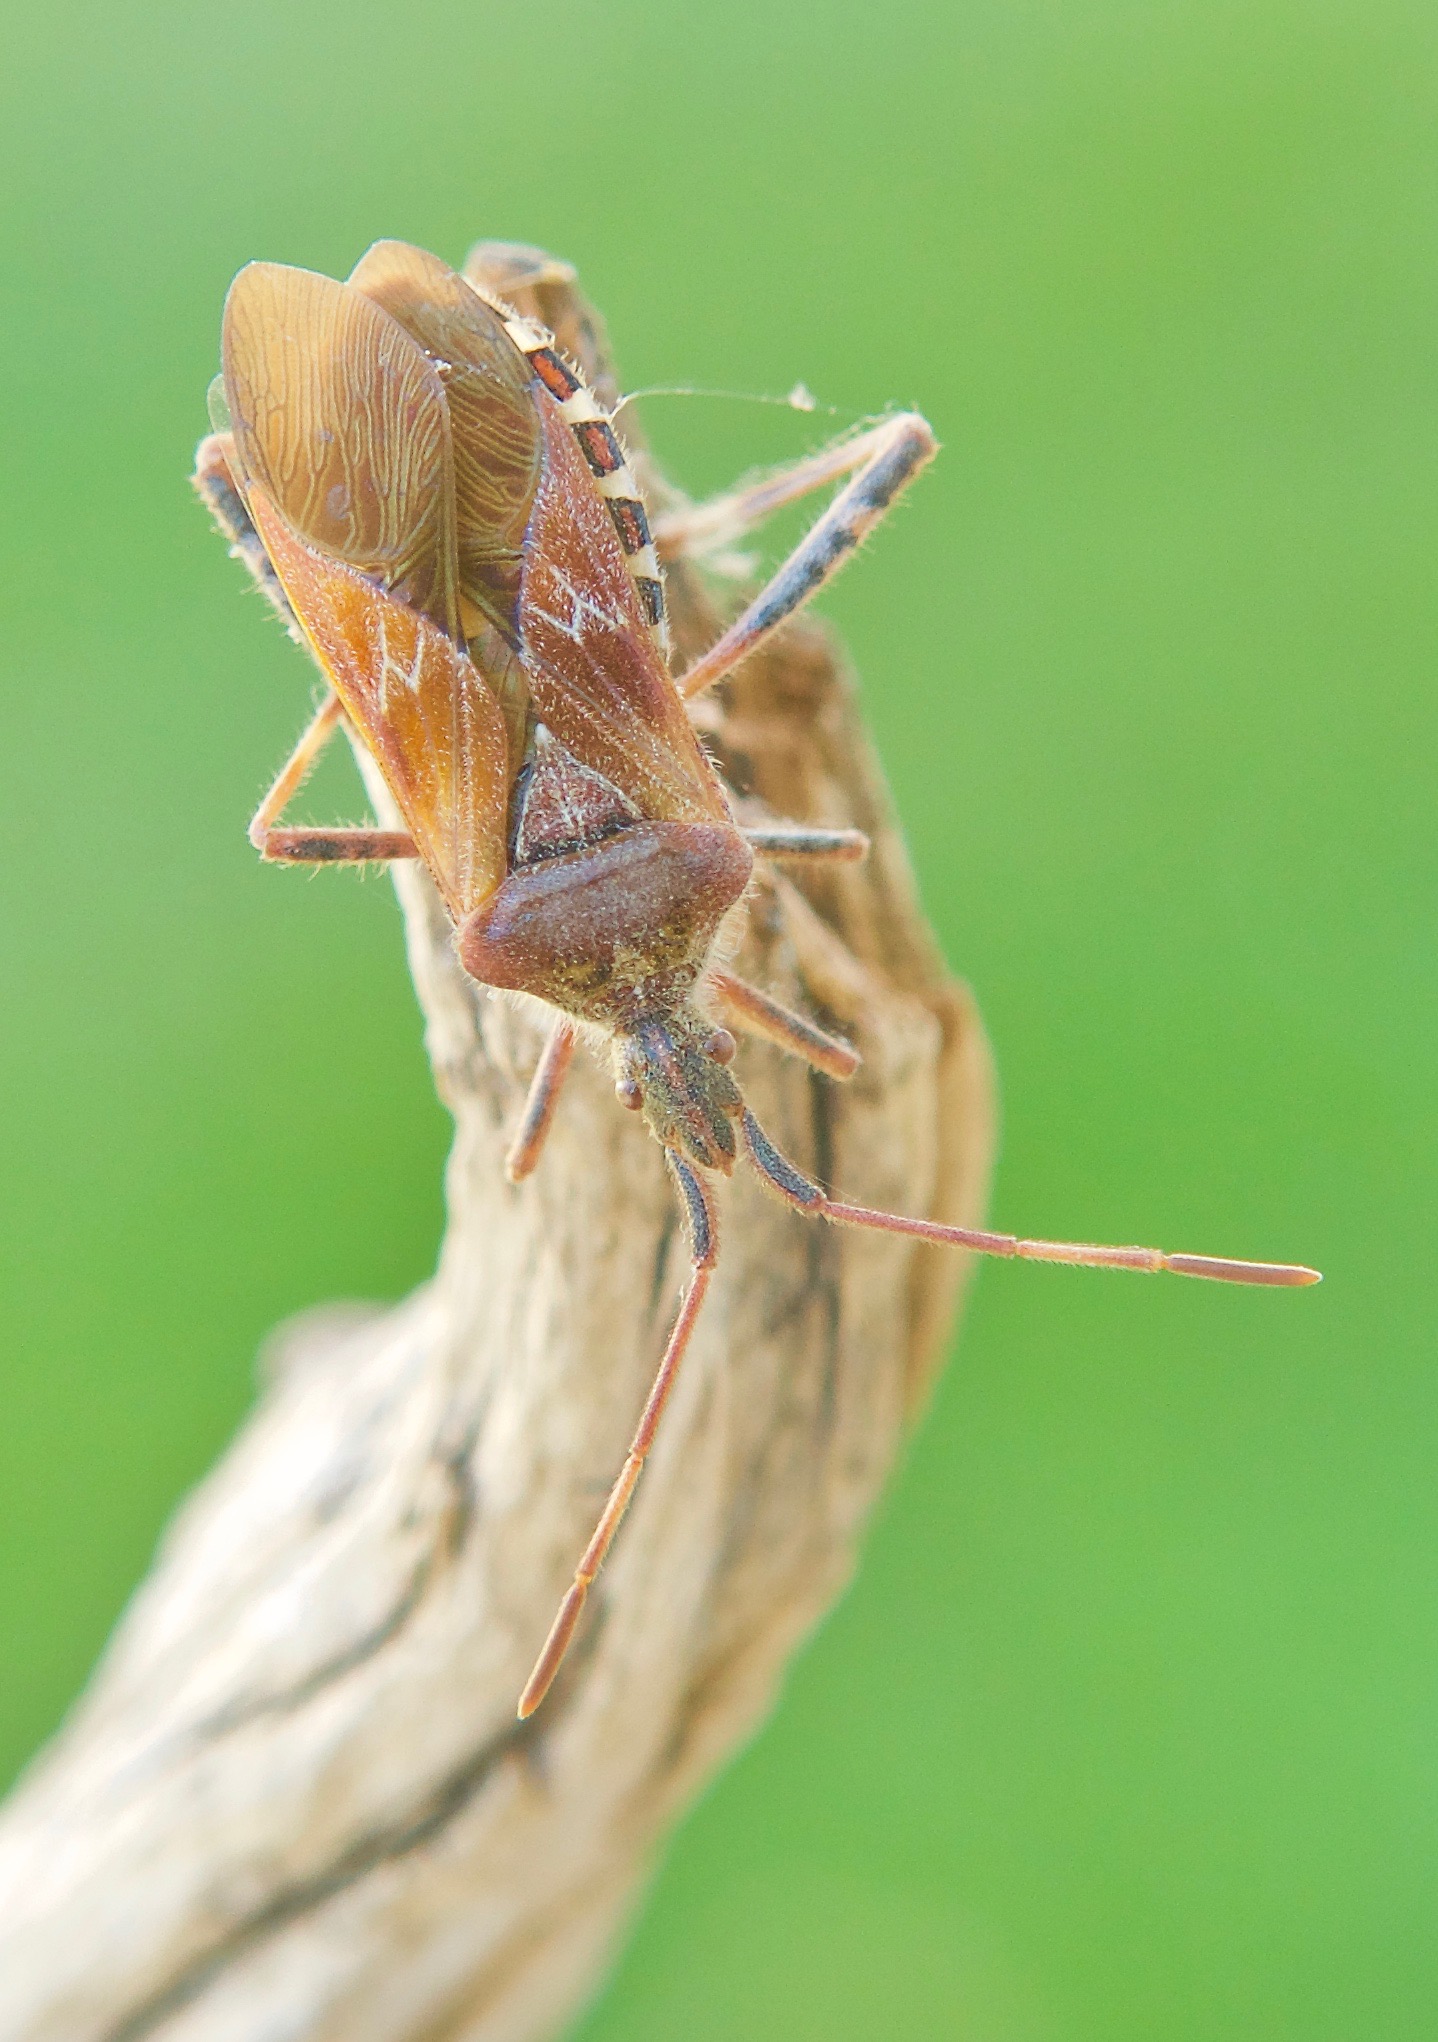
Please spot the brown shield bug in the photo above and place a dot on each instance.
(432, 497)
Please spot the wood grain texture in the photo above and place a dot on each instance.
(295, 1802)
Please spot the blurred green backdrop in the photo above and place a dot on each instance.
(1128, 1729)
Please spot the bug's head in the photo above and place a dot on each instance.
(673, 1069)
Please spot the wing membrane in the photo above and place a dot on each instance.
(340, 418)
(595, 674)
(496, 431)
(429, 719)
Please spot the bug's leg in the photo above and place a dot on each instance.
(759, 1014)
(701, 529)
(296, 769)
(805, 1196)
(702, 1227)
(214, 484)
(898, 450)
(538, 1116)
(338, 847)
(322, 846)
(795, 840)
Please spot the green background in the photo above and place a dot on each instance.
(1127, 1729)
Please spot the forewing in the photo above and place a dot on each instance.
(495, 427)
(427, 716)
(340, 418)
(595, 674)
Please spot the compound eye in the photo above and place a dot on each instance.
(627, 1092)
(721, 1046)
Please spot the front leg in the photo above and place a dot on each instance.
(702, 1226)
(544, 1090)
(759, 1013)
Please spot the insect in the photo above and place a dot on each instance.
(438, 505)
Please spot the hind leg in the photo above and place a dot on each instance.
(700, 530)
(214, 482)
(344, 846)
(887, 458)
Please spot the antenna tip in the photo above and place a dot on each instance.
(1282, 1275)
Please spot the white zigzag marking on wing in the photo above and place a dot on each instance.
(390, 667)
(584, 612)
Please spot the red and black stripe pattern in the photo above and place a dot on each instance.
(605, 458)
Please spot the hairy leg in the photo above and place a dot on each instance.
(701, 529)
(758, 1013)
(899, 449)
(318, 846)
